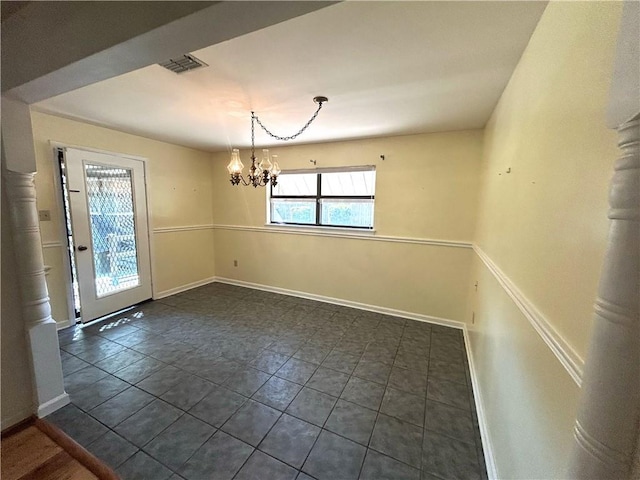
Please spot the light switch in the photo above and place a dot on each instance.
(44, 215)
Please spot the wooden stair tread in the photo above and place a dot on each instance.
(38, 450)
(60, 467)
(23, 451)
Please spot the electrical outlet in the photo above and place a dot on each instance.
(235, 263)
(44, 215)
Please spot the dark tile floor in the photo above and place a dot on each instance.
(226, 382)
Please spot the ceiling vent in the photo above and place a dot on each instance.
(183, 63)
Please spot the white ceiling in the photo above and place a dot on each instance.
(388, 68)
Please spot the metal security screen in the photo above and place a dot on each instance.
(112, 223)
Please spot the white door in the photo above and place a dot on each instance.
(110, 231)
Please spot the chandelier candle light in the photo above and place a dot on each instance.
(268, 169)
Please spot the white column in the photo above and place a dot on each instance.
(607, 428)
(42, 338)
(608, 425)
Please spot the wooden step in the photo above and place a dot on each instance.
(36, 450)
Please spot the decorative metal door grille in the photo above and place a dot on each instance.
(112, 221)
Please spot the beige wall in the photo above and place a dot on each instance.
(423, 279)
(545, 226)
(426, 188)
(179, 186)
(529, 400)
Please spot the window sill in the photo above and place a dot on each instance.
(338, 231)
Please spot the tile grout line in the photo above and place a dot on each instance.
(245, 364)
(422, 463)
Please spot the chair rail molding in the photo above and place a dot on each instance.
(53, 245)
(344, 233)
(567, 356)
(183, 228)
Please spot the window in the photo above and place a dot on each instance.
(327, 198)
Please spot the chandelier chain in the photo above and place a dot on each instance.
(290, 137)
(253, 136)
(264, 172)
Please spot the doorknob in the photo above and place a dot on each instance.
(82, 248)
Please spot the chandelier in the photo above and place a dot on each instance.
(268, 169)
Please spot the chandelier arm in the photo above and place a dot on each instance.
(257, 180)
(290, 137)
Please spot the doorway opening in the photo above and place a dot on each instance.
(105, 218)
(69, 234)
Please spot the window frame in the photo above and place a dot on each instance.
(319, 197)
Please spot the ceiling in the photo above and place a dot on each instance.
(388, 68)
(10, 8)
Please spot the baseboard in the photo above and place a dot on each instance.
(487, 446)
(14, 420)
(345, 303)
(53, 405)
(482, 421)
(183, 288)
(486, 443)
(60, 324)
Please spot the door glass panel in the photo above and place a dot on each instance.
(112, 222)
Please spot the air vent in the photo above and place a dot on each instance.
(183, 64)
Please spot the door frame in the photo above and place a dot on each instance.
(62, 226)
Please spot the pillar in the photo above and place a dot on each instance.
(18, 173)
(607, 428)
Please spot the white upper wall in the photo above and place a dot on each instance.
(427, 186)
(545, 223)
